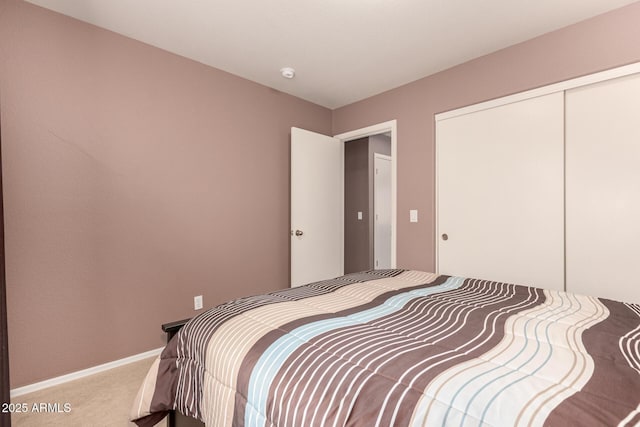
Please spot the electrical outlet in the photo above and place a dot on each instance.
(197, 302)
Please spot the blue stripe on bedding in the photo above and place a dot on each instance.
(273, 358)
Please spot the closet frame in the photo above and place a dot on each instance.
(561, 87)
(610, 74)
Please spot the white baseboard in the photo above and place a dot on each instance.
(83, 373)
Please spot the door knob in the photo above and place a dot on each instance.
(445, 236)
(299, 233)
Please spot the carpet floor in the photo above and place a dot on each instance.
(102, 399)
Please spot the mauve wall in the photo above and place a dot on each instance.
(606, 41)
(134, 180)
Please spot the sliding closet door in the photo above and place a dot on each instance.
(500, 193)
(603, 189)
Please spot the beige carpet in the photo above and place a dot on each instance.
(102, 399)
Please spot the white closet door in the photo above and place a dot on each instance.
(603, 189)
(500, 193)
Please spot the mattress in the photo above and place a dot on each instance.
(402, 348)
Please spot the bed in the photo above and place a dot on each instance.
(402, 348)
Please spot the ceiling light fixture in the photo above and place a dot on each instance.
(288, 72)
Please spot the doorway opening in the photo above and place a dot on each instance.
(370, 198)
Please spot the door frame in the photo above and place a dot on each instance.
(391, 127)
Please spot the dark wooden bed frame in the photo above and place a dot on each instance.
(175, 418)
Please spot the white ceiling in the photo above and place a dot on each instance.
(342, 50)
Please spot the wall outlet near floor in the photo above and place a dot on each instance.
(197, 302)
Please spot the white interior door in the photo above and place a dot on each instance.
(603, 189)
(317, 207)
(382, 211)
(500, 212)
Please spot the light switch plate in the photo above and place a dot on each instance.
(413, 215)
(197, 302)
(359, 215)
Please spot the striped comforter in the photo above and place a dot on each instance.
(403, 348)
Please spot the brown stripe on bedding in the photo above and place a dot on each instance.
(265, 342)
(613, 391)
(192, 340)
(467, 343)
(633, 420)
(472, 341)
(327, 378)
(165, 387)
(383, 348)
